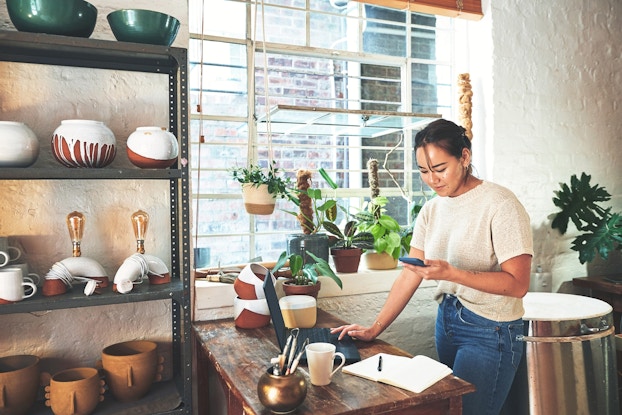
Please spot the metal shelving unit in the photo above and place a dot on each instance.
(102, 54)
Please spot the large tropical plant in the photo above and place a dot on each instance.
(600, 229)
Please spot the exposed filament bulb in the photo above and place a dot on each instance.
(75, 225)
(140, 221)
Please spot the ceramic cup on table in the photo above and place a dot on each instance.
(8, 253)
(14, 287)
(19, 383)
(75, 391)
(321, 358)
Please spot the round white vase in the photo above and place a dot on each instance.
(152, 148)
(84, 143)
(19, 146)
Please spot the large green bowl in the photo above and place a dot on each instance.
(57, 17)
(143, 26)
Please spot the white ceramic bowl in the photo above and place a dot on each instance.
(152, 148)
(19, 146)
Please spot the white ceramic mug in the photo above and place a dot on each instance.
(13, 287)
(321, 358)
(8, 253)
(28, 276)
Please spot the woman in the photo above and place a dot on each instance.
(475, 239)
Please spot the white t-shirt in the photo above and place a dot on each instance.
(476, 231)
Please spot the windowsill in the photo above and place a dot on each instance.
(216, 295)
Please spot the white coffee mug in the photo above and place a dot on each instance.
(8, 253)
(320, 359)
(28, 276)
(13, 287)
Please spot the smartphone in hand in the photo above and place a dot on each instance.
(412, 261)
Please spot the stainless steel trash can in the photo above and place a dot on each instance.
(569, 365)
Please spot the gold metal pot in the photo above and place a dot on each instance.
(282, 394)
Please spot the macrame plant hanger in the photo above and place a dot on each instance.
(251, 155)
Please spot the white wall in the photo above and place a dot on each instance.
(546, 79)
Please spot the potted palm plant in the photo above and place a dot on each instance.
(349, 245)
(261, 187)
(304, 275)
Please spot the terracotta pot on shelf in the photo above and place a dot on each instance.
(131, 367)
(292, 289)
(346, 260)
(19, 382)
(75, 391)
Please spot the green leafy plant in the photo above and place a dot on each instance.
(385, 229)
(306, 273)
(601, 230)
(314, 208)
(278, 185)
(351, 237)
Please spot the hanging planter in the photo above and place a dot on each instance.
(261, 188)
(257, 199)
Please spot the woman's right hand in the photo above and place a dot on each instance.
(355, 331)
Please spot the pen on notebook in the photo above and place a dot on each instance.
(379, 363)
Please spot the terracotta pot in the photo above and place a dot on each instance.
(53, 287)
(249, 283)
(374, 260)
(19, 382)
(257, 200)
(75, 391)
(83, 143)
(346, 259)
(282, 394)
(152, 148)
(19, 146)
(251, 314)
(293, 289)
(131, 368)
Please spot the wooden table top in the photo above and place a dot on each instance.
(241, 356)
(600, 283)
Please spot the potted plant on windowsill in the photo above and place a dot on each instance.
(304, 275)
(349, 245)
(261, 187)
(387, 234)
(313, 210)
(600, 229)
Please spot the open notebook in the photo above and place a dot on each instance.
(315, 334)
(415, 374)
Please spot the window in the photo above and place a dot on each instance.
(318, 53)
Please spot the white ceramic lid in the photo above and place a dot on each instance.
(295, 302)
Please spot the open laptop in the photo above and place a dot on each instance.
(314, 334)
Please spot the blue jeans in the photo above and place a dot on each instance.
(480, 351)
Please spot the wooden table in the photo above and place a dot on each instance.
(238, 357)
(606, 290)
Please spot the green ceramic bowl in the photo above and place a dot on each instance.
(143, 26)
(57, 17)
